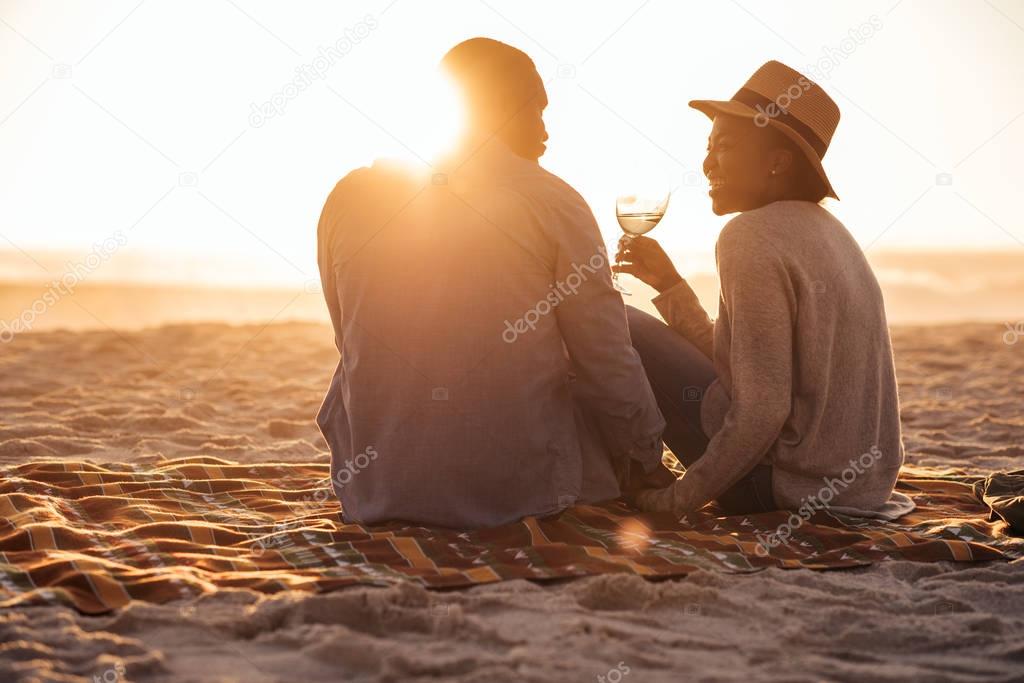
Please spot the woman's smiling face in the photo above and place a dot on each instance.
(739, 163)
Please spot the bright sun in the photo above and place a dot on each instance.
(432, 115)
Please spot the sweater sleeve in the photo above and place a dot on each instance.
(758, 294)
(682, 311)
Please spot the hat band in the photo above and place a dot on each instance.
(756, 100)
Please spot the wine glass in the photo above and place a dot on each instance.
(638, 213)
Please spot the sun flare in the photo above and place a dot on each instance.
(432, 114)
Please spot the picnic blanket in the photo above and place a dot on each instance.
(96, 536)
(1003, 493)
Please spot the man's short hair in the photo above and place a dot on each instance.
(495, 79)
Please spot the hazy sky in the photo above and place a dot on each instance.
(139, 116)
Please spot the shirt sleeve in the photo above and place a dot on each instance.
(758, 294)
(329, 218)
(682, 312)
(610, 379)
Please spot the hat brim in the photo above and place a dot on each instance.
(712, 108)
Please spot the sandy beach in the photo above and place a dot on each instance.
(248, 393)
(190, 192)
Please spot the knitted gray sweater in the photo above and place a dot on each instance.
(806, 381)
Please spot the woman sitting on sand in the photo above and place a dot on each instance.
(788, 400)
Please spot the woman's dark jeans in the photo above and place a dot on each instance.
(679, 375)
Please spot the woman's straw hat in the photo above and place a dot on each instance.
(793, 104)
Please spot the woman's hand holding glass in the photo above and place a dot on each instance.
(644, 259)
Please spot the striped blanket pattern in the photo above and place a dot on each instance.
(97, 536)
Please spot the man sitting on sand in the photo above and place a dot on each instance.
(486, 368)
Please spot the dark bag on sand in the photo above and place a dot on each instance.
(1003, 493)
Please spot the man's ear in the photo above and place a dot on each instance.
(781, 161)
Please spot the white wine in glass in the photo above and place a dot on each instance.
(638, 214)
